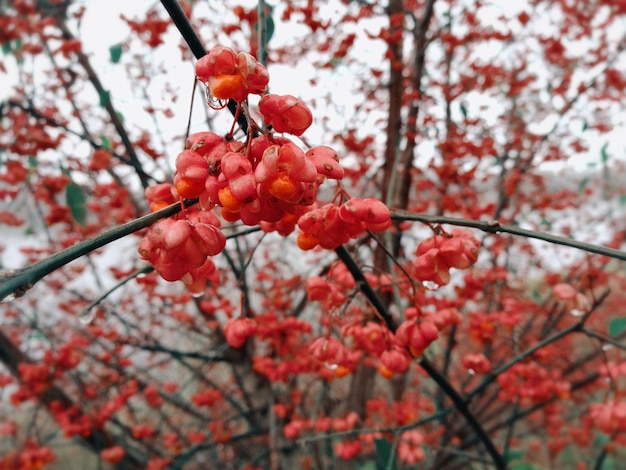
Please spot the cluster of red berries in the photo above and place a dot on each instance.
(263, 181)
(266, 179)
(436, 255)
(180, 249)
(609, 417)
(411, 336)
(331, 225)
(230, 75)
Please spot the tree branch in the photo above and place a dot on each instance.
(493, 226)
(108, 105)
(98, 440)
(197, 49)
(21, 281)
(439, 379)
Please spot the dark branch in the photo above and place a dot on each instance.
(459, 403)
(197, 49)
(493, 226)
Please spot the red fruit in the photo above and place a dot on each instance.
(395, 360)
(348, 450)
(230, 216)
(306, 241)
(197, 278)
(258, 145)
(285, 189)
(244, 188)
(113, 455)
(189, 255)
(326, 162)
(203, 142)
(235, 165)
(225, 87)
(293, 429)
(369, 210)
(476, 362)
(416, 336)
(238, 330)
(452, 252)
(206, 397)
(253, 72)
(209, 239)
(429, 267)
(328, 350)
(191, 174)
(219, 61)
(317, 288)
(160, 196)
(429, 331)
(285, 159)
(228, 201)
(285, 113)
(176, 234)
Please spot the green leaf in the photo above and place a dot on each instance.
(11, 46)
(622, 199)
(463, 110)
(604, 154)
(522, 466)
(106, 143)
(513, 454)
(585, 126)
(368, 466)
(546, 223)
(582, 184)
(115, 52)
(105, 98)
(617, 325)
(77, 201)
(385, 454)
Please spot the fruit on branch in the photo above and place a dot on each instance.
(230, 75)
(331, 225)
(476, 362)
(192, 171)
(238, 330)
(266, 180)
(394, 360)
(285, 114)
(416, 336)
(179, 249)
(436, 255)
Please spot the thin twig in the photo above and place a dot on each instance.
(197, 49)
(493, 226)
(20, 282)
(459, 403)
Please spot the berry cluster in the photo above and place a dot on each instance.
(436, 255)
(285, 114)
(230, 75)
(331, 225)
(261, 181)
(265, 179)
(181, 249)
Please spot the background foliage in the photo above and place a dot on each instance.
(502, 119)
